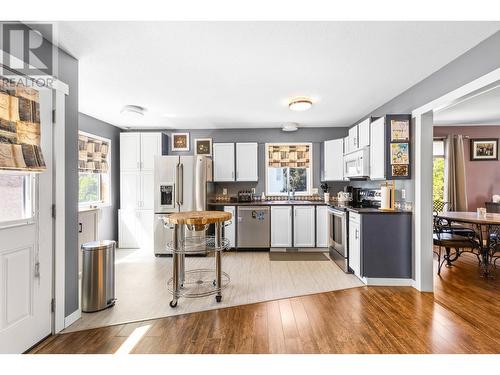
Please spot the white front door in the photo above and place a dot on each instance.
(26, 251)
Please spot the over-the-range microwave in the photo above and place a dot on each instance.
(357, 163)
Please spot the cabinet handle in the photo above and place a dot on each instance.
(232, 175)
(80, 227)
(356, 235)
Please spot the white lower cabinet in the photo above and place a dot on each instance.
(281, 226)
(230, 230)
(355, 243)
(304, 228)
(136, 229)
(321, 226)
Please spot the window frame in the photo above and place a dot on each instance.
(29, 196)
(309, 170)
(443, 156)
(102, 202)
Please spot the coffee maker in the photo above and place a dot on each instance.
(356, 200)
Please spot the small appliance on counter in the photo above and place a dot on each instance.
(245, 196)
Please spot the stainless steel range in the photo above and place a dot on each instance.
(338, 226)
(337, 237)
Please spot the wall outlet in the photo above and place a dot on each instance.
(224, 191)
(403, 194)
(315, 191)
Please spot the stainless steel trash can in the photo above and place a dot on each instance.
(98, 275)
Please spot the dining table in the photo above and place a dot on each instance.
(487, 229)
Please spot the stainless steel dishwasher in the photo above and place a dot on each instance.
(254, 226)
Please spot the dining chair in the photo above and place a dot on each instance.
(460, 229)
(446, 237)
(494, 233)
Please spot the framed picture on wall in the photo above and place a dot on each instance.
(203, 146)
(484, 149)
(180, 141)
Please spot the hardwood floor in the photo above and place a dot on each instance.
(461, 317)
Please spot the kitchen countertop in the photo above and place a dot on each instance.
(270, 203)
(367, 210)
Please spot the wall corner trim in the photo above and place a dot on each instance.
(71, 318)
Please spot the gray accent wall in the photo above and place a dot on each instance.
(262, 136)
(108, 222)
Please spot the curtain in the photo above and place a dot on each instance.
(92, 154)
(20, 128)
(455, 181)
(282, 156)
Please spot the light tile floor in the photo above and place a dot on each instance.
(141, 284)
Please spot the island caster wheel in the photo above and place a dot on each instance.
(173, 304)
(218, 298)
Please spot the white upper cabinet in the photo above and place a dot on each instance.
(281, 226)
(223, 161)
(333, 152)
(352, 143)
(247, 162)
(150, 147)
(377, 149)
(304, 226)
(130, 152)
(364, 133)
(321, 226)
(346, 145)
(137, 151)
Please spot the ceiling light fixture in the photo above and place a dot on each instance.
(300, 104)
(133, 111)
(290, 127)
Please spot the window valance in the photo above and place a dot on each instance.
(282, 156)
(20, 128)
(92, 154)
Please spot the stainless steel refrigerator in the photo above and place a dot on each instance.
(181, 184)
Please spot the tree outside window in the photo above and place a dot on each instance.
(438, 171)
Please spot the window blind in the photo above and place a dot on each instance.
(92, 154)
(20, 128)
(294, 156)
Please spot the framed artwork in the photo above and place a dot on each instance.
(180, 141)
(400, 170)
(203, 146)
(399, 153)
(400, 130)
(484, 149)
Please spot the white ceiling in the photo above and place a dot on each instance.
(242, 74)
(482, 109)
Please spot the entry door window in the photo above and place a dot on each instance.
(16, 198)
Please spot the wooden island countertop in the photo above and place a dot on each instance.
(199, 217)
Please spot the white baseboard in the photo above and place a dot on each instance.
(70, 319)
(388, 282)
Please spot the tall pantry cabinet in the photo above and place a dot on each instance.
(136, 213)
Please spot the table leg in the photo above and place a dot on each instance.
(218, 261)
(182, 256)
(175, 269)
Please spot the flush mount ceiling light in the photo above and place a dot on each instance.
(290, 127)
(300, 104)
(133, 111)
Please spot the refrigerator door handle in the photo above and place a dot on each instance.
(181, 187)
(177, 184)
